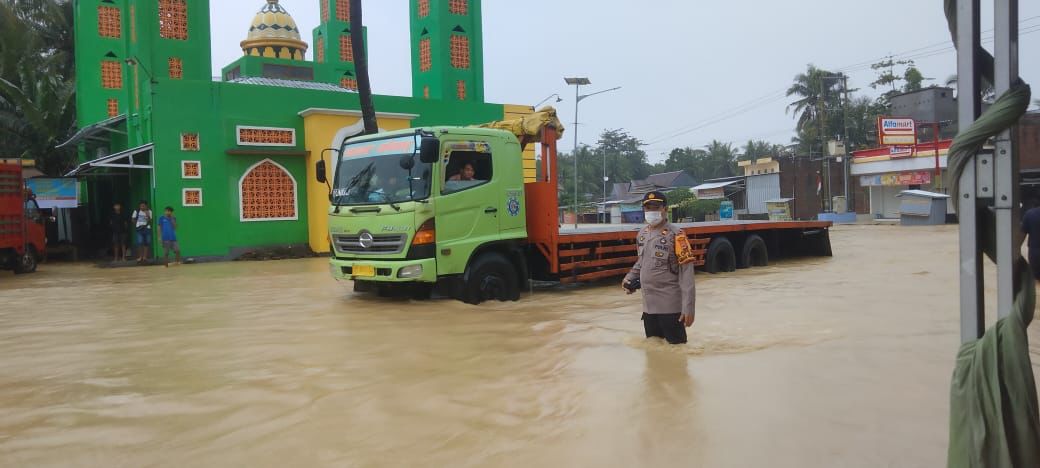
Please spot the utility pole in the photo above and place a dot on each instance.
(848, 149)
(821, 112)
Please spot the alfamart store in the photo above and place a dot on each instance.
(887, 171)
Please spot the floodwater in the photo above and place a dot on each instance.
(812, 363)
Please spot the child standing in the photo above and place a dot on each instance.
(168, 231)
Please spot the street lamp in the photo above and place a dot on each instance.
(578, 97)
(558, 99)
(134, 61)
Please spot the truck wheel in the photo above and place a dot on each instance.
(490, 276)
(720, 257)
(26, 263)
(754, 253)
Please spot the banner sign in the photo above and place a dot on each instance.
(896, 131)
(394, 146)
(888, 180)
(896, 152)
(55, 193)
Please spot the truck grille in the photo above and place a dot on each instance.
(381, 243)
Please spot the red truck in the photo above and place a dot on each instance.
(23, 239)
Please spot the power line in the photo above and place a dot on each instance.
(916, 53)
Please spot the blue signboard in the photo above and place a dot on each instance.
(55, 193)
(726, 210)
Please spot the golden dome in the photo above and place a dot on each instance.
(274, 34)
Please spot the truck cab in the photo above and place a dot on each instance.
(440, 207)
(23, 239)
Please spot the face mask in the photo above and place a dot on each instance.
(653, 217)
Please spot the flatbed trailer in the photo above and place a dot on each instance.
(591, 252)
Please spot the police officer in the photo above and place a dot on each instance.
(664, 271)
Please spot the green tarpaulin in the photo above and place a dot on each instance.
(994, 419)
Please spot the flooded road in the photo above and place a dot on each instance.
(812, 363)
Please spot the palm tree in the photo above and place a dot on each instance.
(815, 92)
(37, 91)
(357, 39)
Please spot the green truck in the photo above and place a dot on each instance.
(449, 209)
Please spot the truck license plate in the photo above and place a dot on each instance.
(363, 270)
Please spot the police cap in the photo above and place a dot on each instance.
(654, 197)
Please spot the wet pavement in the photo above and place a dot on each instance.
(842, 361)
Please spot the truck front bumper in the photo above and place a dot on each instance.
(398, 271)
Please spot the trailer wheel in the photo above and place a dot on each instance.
(490, 276)
(754, 253)
(27, 262)
(720, 257)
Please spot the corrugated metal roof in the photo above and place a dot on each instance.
(256, 80)
(713, 185)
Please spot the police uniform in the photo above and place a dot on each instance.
(665, 271)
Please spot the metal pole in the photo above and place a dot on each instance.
(1005, 48)
(604, 200)
(938, 169)
(576, 88)
(845, 124)
(969, 104)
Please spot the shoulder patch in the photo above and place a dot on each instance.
(683, 249)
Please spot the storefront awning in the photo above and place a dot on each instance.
(122, 159)
(91, 132)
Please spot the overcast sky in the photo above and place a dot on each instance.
(690, 70)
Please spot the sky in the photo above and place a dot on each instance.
(690, 71)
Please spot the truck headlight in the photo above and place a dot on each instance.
(410, 271)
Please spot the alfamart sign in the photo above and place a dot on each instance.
(896, 131)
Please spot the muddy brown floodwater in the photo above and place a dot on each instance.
(812, 363)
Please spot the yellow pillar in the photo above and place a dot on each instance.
(326, 128)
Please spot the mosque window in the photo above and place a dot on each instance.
(458, 7)
(113, 107)
(348, 83)
(191, 169)
(319, 52)
(189, 142)
(460, 51)
(324, 11)
(268, 192)
(346, 48)
(425, 56)
(424, 8)
(343, 10)
(192, 197)
(460, 89)
(266, 136)
(176, 68)
(173, 19)
(111, 74)
(109, 22)
(426, 92)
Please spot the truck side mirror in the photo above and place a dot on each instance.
(429, 150)
(320, 174)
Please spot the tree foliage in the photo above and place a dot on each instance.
(816, 107)
(37, 83)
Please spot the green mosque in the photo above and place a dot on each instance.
(234, 155)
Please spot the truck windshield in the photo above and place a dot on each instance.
(378, 172)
